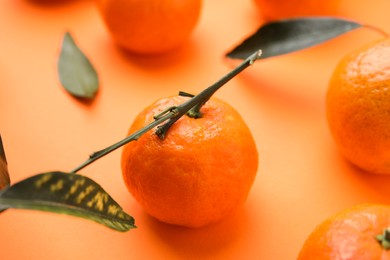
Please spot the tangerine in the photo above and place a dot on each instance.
(358, 106)
(199, 173)
(274, 10)
(359, 232)
(150, 26)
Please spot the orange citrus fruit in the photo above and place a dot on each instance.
(358, 107)
(150, 26)
(199, 173)
(359, 232)
(274, 10)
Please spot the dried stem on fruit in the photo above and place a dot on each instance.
(384, 239)
(171, 115)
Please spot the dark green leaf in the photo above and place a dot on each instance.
(67, 193)
(76, 73)
(285, 36)
(4, 175)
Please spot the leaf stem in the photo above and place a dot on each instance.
(174, 113)
(376, 29)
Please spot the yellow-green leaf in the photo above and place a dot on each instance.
(76, 73)
(67, 193)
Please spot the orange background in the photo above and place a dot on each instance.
(302, 179)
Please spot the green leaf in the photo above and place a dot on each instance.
(285, 36)
(4, 175)
(76, 73)
(67, 193)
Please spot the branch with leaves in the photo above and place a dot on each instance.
(80, 196)
(172, 114)
(77, 195)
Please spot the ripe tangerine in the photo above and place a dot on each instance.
(359, 232)
(358, 106)
(202, 170)
(150, 26)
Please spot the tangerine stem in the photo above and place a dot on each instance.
(192, 107)
(172, 114)
(384, 239)
(133, 137)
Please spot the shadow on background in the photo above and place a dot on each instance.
(202, 242)
(378, 184)
(178, 57)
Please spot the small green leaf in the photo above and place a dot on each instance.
(76, 73)
(4, 175)
(285, 36)
(67, 193)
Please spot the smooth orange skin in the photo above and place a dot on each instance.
(202, 170)
(358, 107)
(281, 9)
(150, 26)
(349, 234)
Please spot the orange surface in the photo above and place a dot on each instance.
(302, 179)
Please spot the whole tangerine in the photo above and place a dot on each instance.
(358, 106)
(359, 232)
(150, 26)
(275, 10)
(199, 173)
